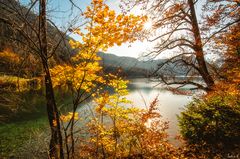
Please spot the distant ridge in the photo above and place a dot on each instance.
(131, 67)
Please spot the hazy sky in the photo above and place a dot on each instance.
(61, 12)
(133, 49)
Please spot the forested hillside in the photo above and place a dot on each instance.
(68, 98)
(131, 67)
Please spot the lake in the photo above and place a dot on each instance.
(142, 92)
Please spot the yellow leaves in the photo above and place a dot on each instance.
(112, 13)
(61, 75)
(77, 31)
(9, 56)
(127, 128)
(102, 101)
(14, 83)
(106, 28)
(69, 116)
(86, 56)
(119, 86)
(113, 104)
(85, 75)
(119, 17)
(74, 44)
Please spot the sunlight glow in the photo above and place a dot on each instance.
(148, 123)
(148, 25)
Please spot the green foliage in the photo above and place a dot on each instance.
(21, 105)
(14, 136)
(211, 125)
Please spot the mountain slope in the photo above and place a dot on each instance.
(132, 67)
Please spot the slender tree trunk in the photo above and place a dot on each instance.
(199, 48)
(55, 147)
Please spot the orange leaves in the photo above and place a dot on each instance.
(106, 28)
(219, 11)
(69, 116)
(231, 40)
(119, 17)
(117, 126)
(9, 56)
(172, 10)
(54, 123)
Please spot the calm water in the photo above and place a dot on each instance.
(142, 92)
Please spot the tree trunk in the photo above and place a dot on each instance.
(199, 48)
(55, 147)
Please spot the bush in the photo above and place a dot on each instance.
(212, 124)
(121, 132)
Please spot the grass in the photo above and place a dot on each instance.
(25, 116)
(14, 136)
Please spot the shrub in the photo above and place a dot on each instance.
(211, 124)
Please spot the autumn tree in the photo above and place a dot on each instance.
(222, 23)
(31, 31)
(34, 36)
(83, 76)
(119, 130)
(177, 30)
(209, 124)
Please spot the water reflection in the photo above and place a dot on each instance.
(142, 92)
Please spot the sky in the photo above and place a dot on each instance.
(61, 13)
(128, 49)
